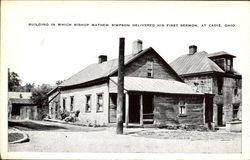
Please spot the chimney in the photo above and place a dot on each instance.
(102, 58)
(192, 49)
(136, 46)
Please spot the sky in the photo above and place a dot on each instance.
(45, 54)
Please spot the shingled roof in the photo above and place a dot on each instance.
(139, 84)
(195, 63)
(102, 70)
(98, 70)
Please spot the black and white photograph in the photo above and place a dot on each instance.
(124, 80)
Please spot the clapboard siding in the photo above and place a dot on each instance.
(139, 68)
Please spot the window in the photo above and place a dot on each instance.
(71, 103)
(64, 104)
(88, 103)
(235, 111)
(182, 108)
(99, 104)
(229, 65)
(150, 64)
(220, 85)
(236, 91)
(56, 104)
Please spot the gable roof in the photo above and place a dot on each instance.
(105, 69)
(139, 84)
(195, 63)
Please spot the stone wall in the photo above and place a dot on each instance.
(202, 84)
(231, 95)
(228, 97)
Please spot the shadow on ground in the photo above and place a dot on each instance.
(30, 125)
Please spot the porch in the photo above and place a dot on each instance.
(141, 109)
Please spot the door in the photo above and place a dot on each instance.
(148, 116)
(220, 114)
(208, 109)
(134, 109)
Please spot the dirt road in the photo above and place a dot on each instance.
(134, 141)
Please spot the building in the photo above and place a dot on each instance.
(20, 106)
(154, 93)
(54, 103)
(214, 74)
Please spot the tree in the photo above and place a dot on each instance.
(14, 82)
(58, 82)
(29, 87)
(39, 95)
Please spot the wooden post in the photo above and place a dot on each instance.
(141, 110)
(120, 94)
(204, 110)
(127, 110)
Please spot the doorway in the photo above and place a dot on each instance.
(220, 114)
(134, 108)
(208, 109)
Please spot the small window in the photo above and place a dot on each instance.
(71, 103)
(182, 108)
(236, 91)
(235, 111)
(220, 85)
(99, 103)
(150, 68)
(56, 104)
(88, 103)
(229, 65)
(64, 104)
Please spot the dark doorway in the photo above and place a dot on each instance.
(15, 110)
(220, 114)
(134, 108)
(148, 104)
(208, 108)
(148, 108)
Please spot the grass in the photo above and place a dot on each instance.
(14, 137)
(189, 135)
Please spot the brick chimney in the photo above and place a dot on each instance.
(136, 46)
(192, 49)
(102, 58)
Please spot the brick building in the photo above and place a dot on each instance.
(154, 93)
(214, 74)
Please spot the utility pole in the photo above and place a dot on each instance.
(120, 93)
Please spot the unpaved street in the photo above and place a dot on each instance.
(135, 140)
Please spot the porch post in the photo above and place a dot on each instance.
(204, 110)
(127, 110)
(141, 110)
